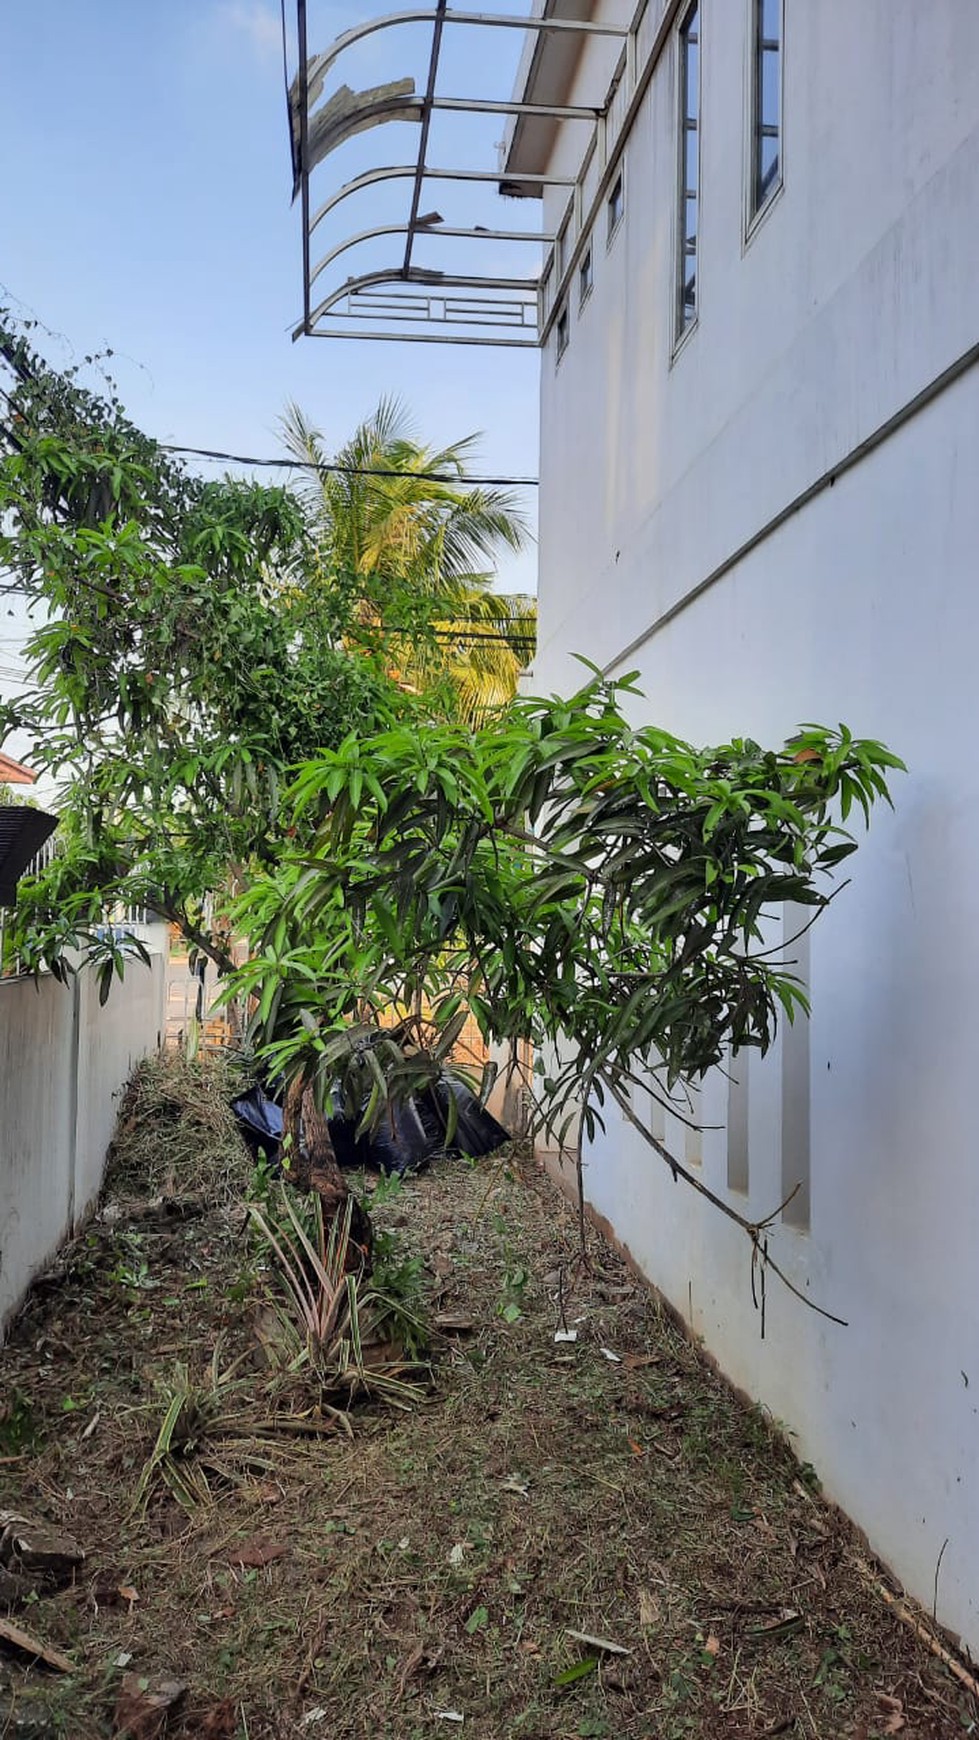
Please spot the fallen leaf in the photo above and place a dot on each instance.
(217, 1723)
(712, 1646)
(649, 1609)
(457, 1554)
(256, 1554)
(634, 1361)
(637, 1449)
(144, 1706)
(454, 1323)
(578, 1672)
(789, 1621)
(603, 1643)
(896, 1719)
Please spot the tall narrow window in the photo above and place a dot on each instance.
(586, 276)
(689, 177)
(737, 1122)
(766, 102)
(796, 1078)
(615, 205)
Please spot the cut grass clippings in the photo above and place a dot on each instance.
(551, 1544)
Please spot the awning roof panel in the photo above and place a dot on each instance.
(476, 299)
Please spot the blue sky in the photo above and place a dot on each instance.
(145, 205)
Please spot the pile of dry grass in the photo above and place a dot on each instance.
(176, 1134)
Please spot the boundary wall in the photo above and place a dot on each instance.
(63, 1063)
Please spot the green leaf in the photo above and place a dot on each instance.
(579, 1671)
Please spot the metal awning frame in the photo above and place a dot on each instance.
(507, 305)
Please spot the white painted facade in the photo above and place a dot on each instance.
(778, 522)
(64, 1060)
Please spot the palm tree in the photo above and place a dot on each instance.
(412, 546)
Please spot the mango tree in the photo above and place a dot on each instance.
(598, 890)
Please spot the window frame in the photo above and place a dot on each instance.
(586, 274)
(756, 210)
(562, 330)
(682, 328)
(617, 190)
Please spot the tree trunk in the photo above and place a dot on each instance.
(312, 1165)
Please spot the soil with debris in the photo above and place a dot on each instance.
(560, 1538)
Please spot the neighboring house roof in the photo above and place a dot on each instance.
(14, 772)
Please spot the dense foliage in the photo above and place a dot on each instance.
(192, 642)
(406, 546)
(599, 890)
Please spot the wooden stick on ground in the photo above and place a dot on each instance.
(920, 1630)
(27, 1644)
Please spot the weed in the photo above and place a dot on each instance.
(132, 1270)
(511, 1303)
(397, 1288)
(18, 1428)
(325, 1318)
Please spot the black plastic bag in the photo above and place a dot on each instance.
(260, 1119)
(477, 1131)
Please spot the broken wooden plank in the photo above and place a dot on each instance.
(26, 1644)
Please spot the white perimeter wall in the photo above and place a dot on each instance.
(63, 1061)
(855, 293)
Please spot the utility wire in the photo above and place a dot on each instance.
(322, 468)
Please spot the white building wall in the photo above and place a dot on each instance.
(63, 1062)
(853, 296)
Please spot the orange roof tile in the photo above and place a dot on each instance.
(14, 772)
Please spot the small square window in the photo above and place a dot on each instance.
(562, 332)
(586, 276)
(616, 205)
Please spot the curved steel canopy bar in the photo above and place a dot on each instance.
(399, 171)
(407, 294)
(539, 236)
(420, 278)
(321, 63)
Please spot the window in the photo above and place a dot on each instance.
(796, 1077)
(586, 276)
(562, 329)
(766, 103)
(616, 205)
(689, 172)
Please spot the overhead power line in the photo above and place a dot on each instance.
(323, 468)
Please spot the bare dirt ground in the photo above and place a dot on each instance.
(559, 1539)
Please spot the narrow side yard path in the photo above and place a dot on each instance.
(564, 1538)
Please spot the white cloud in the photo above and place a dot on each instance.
(254, 20)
